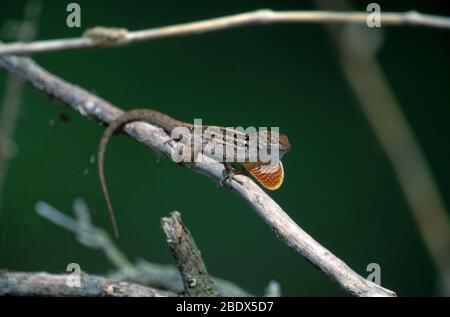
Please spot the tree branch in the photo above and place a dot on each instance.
(45, 284)
(104, 37)
(396, 137)
(145, 273)
(189, 261)
(155, 138)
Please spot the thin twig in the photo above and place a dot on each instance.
(187, 255)
(45, 284)
(396, 137)
(86, 233)
(123, 37)
(155, 138)
(26, 31)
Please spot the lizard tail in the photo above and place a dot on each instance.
(100, 160)
(147, 115)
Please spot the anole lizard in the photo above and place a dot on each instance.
(270, 175)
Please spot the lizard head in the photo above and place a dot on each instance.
(285, 146)
(273, 141)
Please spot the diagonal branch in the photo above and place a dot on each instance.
(396, 137)
(101, 37)
(285, 228)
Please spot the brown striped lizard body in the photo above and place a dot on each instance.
(269, 175)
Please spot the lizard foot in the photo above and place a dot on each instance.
(172, 139)
(230, 175)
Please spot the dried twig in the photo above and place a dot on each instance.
(45, 284)
(120, 37)
(86, 233)
(276, 218)
(189, 261)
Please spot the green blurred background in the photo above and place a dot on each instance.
(339, 185)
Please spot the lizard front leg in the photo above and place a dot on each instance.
(230, 173)
(176, 139)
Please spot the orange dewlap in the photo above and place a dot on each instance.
(269, 175)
